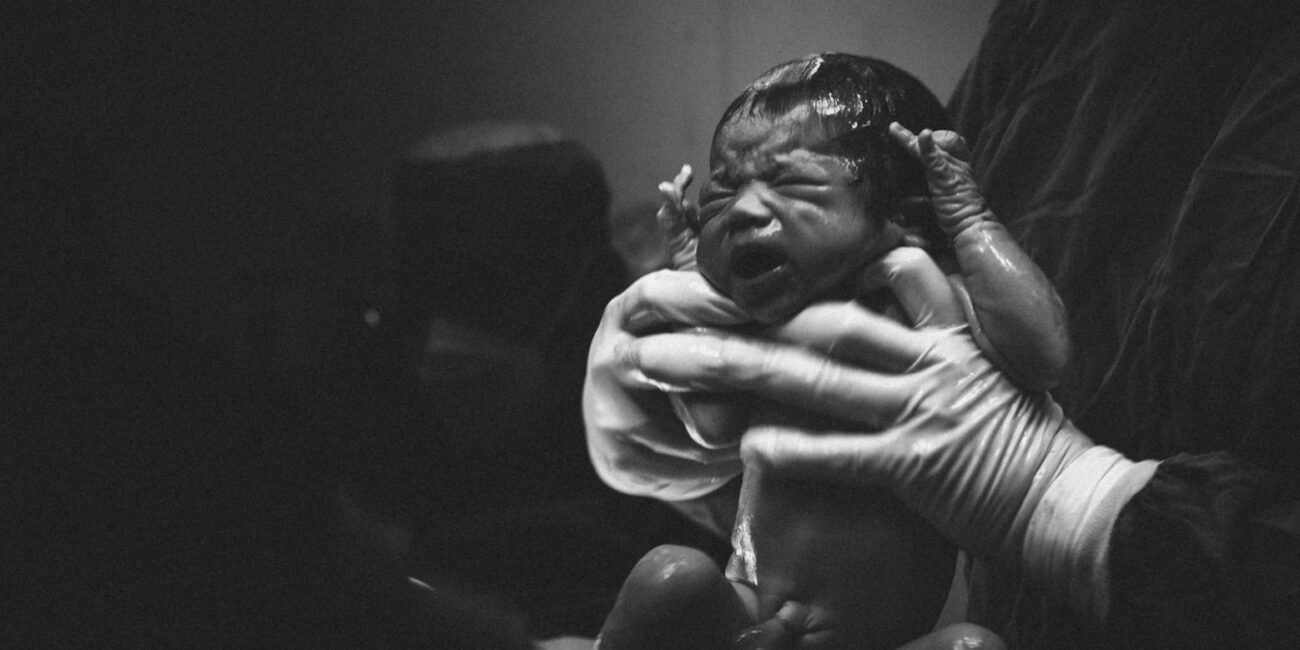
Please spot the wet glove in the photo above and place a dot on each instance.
(636, 443)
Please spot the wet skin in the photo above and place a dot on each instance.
(783, 221)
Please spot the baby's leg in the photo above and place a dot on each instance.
(958, 636)
(675, 597)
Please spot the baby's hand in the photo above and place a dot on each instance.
(954, 194)
(676, 217)
(1014, 312)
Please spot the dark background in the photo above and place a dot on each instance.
(194, 199)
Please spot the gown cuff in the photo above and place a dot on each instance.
(1068, 539)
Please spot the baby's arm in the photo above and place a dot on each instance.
(1014, 312)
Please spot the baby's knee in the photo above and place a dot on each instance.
(675, 597)
(678, 573)
(958, 636)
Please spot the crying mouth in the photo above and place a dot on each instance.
(754, 261)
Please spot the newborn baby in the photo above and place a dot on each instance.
(815, 173)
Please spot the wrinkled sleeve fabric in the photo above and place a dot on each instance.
(1209, 550)
(1147, 156)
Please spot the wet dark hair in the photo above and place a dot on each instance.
(854, 98)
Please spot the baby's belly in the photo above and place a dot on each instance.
(865, 571)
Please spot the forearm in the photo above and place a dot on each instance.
(1014, 312)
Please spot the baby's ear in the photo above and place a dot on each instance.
(915, 216)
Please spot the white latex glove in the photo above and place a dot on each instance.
(925, 414)
(636, 443)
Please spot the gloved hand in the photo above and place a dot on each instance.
(1001, 472)
(925, 414)
(636, 443)
(952, 436)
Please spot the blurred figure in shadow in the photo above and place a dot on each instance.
(182, 488)
(639, 240)
(503, 267)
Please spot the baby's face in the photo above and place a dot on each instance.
(782, 223)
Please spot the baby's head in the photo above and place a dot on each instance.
(805, 185)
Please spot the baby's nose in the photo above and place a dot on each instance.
(751, 209)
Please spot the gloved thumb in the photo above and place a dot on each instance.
(849, 458)
(920, 286)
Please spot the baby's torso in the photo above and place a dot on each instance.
(868, 571)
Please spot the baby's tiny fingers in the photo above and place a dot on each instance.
(953, 143)
(904, 138)
(683, 179)
(670, 193)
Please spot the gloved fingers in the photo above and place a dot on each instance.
(656, 301)
(843, 457)
(671, 454)
(851, 333)
(666, 297)
(633, 456)
(920, 286)
(794, 375)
